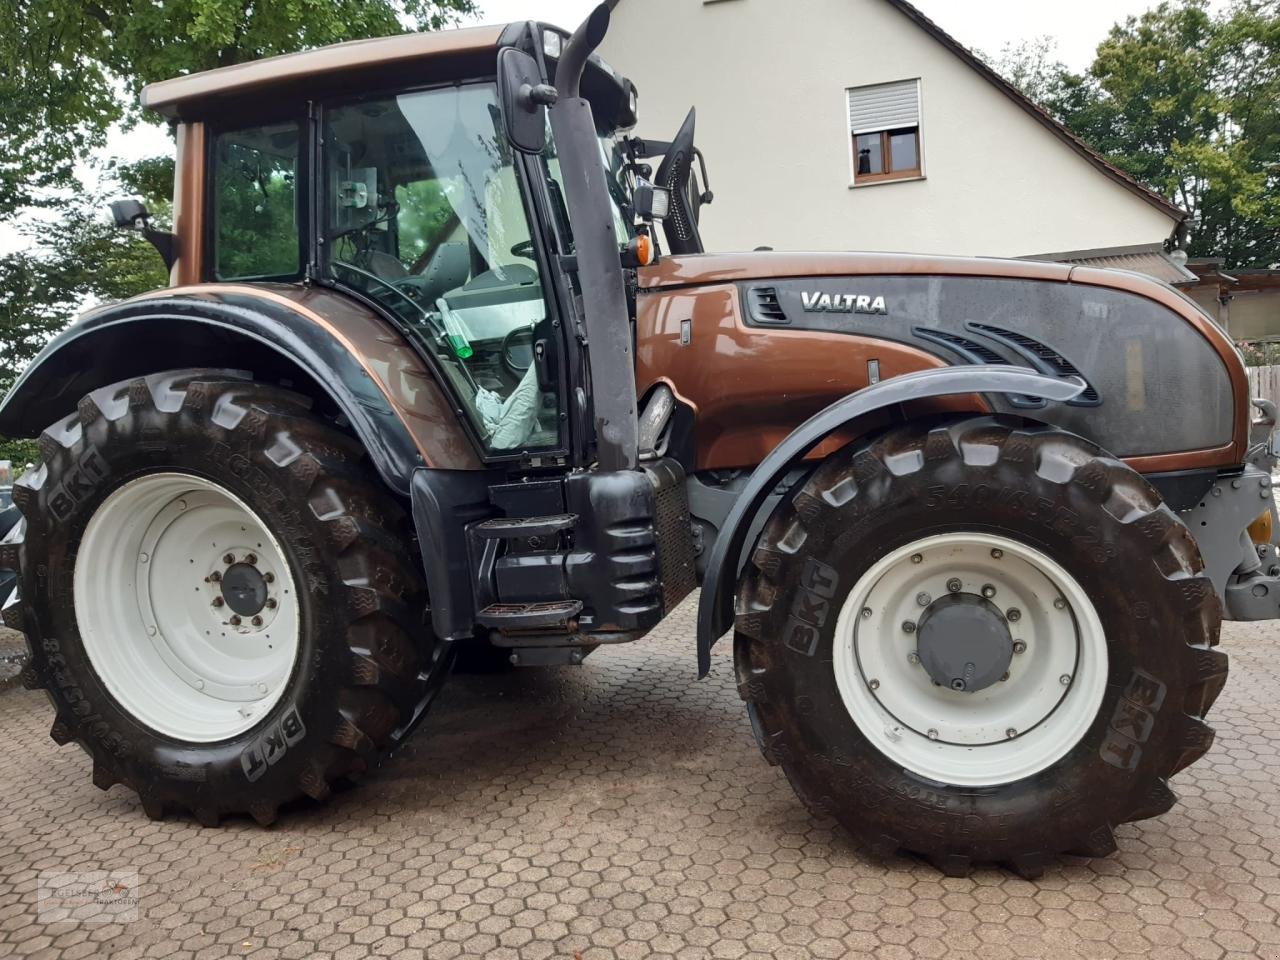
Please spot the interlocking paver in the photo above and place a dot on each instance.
(621, 809)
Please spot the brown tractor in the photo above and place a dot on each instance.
(444, 370)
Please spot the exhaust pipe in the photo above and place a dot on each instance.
(610, 356)
(589, 35)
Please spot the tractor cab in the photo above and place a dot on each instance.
(408, 173)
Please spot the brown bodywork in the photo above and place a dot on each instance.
(751, 388)
(401, 376)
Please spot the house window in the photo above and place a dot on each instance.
(884, 126)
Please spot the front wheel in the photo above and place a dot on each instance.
(979, 642)
(218, 596)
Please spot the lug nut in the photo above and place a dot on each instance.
(269, 577)
(917, 558)
(271, 603)
(228, 559)
(1059, 604)
(913, 657)
(214, 577)
(988, 590)
(997, 553)
(954, 585)
(235, 620)
(923, 599)
(1013, 615)
(218, 601)
(251, 559)
(1019, 646)
(257, 621)
(908, 626)
(1004, 678)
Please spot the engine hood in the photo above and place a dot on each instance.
(1168, 390)
(695, 269)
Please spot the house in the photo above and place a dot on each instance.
(860, 124)
(1245, 302)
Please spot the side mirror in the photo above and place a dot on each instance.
(130, 214)
(524, 100)
(133, 215)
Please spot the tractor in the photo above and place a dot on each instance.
(443, 372)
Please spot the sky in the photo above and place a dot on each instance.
(987, 25)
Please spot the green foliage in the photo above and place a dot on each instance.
(69, 70)
(1260, 353)
(1185, 101)
(257, 202)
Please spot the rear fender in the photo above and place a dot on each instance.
(715, 608)
(318, 342)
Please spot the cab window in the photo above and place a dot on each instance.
(424, 213)
(256, 231)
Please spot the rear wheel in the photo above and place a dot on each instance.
(979, 641)
(218, 597)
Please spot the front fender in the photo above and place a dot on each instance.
(319, 340)
(715, 608)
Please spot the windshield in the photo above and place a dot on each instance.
(425, 213)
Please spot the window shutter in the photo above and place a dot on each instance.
(885, 106)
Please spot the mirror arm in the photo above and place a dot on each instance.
(166, 244)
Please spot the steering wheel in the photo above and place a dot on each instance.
(517, 351)
(523, 249)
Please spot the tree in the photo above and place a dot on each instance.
(69, 70)
(1185, 101)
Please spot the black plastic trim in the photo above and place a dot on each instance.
(444, 503)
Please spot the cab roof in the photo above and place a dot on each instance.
(340, 66)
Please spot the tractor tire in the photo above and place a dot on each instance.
(979, 641)
(218, 596)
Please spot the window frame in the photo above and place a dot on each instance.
(857, 180)
(886, 152)
(546, 253)
(303, 206)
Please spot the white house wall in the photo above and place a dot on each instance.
(769, 77)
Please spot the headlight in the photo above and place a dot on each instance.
(651, 202)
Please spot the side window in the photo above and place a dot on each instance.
(255, 202)
(425, 214)
(884, 123)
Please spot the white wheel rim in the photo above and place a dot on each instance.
(1013, 728)
(153, 612)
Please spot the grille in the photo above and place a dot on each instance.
(1051, 361)
(675, 534)
(765, 306)
(973, 352)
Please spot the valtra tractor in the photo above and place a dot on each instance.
(443, 370)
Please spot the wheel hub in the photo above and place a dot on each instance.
(970, 658)
(964, 642)
(244, 589)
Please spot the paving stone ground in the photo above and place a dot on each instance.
(620, 809)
